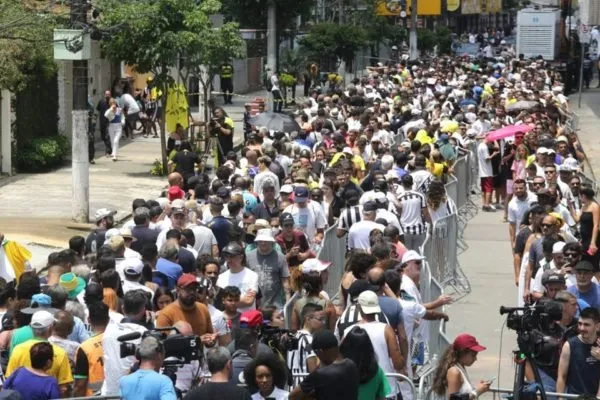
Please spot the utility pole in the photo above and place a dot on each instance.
(414, 53)
(342, 67)
(272, 36)
(79, 145)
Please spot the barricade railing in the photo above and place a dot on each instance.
(288, 310)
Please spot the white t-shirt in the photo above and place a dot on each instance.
(245, 280)
(517, 208)
(276, 394)
(485, 165)
(421, 333)
(128, 286)
(204, 239)
(218, 320)
(130, 104)
(358, 235)
(116, 367)
(307, 219)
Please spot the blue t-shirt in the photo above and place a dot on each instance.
(32, 386)
(220, 228)
(145, 384)
(250, 202)
(172, 270)
(592, 296)
(392, 310)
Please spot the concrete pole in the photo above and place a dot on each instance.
(272, 37)
(414, 52)
(5, 132)
(80, 177)
(342, 67)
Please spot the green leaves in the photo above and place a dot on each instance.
(342, 41)
(25, 43)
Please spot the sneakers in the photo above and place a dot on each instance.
(489, 208)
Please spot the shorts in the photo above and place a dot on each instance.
(499, 181)
(509, 186)
(487, 184)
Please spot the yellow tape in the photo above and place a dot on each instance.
(244, 96)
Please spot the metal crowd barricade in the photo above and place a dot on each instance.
(452, 189)
(288, 309)
(333, 251)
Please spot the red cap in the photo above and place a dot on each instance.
(175, 192)
(464, 341)
(252, 318)
(186, 280)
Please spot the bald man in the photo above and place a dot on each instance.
(390, 306)
(175, 179)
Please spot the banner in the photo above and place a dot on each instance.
(494, 6)
(471, 7)
(392, 8)
(452, 5)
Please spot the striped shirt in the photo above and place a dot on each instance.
(446, 208)
(296, 359)
(350, 317)
(349, 216)
(411, 217)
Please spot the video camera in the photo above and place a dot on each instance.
(212, 126)
(278, 339)
(179, 349)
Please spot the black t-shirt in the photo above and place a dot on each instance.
(335, 381)
(218, 390)
(185, 161)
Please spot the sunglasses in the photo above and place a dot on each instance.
(547, 225)
(538, 184)
(549, 172)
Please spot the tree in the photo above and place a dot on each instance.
(152, 36)
(293, 63)
(25, 44)
(253, 13)
(204, 55)
(341, 41)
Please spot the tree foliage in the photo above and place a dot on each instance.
(25, 43)
(153, 36)
(341, 41)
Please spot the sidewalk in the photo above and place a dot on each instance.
(589, 115)
(37, 207)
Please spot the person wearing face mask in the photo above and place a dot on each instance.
(187, 308)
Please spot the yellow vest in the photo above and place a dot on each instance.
(226, 71)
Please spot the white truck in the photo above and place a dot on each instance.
(538, 33)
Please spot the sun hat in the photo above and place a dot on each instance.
(313, 265)
(264, 235)
(72, 283)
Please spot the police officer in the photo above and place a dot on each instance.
(227, 82)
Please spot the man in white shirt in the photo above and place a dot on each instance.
(485, 153)
(115, 367)
(483, 124)
(239, 276)
(359, 233)
(265, 175)
(518, 206)
(308, 216)
(132, 272)
(132, 112)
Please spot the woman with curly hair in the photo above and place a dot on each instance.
(357, 346)
(451, 376)
(439, 204)
(265, 376)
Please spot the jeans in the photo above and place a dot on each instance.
(114, 131)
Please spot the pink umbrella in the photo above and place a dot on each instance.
(507, 131)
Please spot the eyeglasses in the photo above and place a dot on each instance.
(547, 225)
(538, 183)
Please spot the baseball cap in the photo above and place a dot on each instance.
(39, 302)
(178, 206)
(286, 218)
(557, 248)
(369, 303)
(133, 266)
(313, 265)
(42, 319)
(584, 265)
(116, 242)
(300, 194)
(232, 249)
(370, 206)
(186, 280)
(549, 277)
(324, 340)
(542, 150)
(411, 255)
(251, 319)
(103, 213)
(175, 192)
(359, 286)
(464, 341)
(223, 192)
(126, 233)
(286, 189)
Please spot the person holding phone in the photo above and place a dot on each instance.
(451, 376)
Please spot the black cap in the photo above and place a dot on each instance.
(223, 192)
(232, 249)
(552, 277)
(359, 286)
(584, 265)
(324, 340)
(286, 218)
(370, 206)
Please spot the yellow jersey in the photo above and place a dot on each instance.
(60, 369)
(89, 363)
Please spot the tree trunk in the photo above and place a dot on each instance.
(163, 131)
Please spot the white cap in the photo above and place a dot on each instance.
(314, 265)
(41, 320)
(570, 164)
(103, 213)
(562, 138)
(411, 255)
(111, 233)
(133, 266)
(557, 248)
(287, 189)
(542, 150)
(369, 303)
(264, 235)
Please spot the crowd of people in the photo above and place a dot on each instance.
(214, 260)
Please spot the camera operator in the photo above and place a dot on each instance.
(115, 367)
(578, 370)
(146, 383)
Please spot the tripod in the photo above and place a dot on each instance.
(526, 353)
(213, 149)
